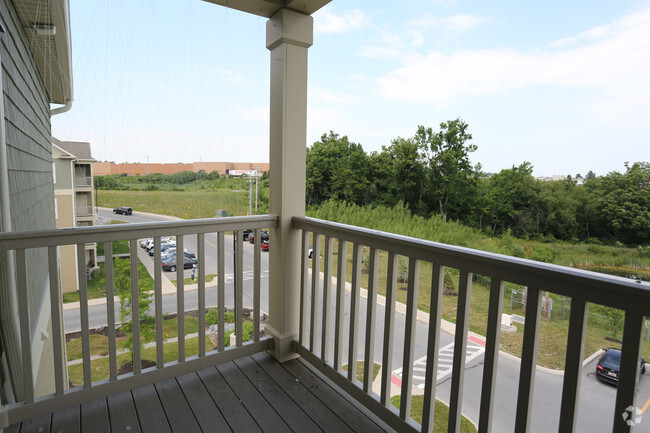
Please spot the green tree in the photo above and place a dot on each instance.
(624, 203)
(512, 202)
(450, 174)
(338, 169)
(402, 174)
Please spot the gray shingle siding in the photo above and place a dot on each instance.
(29, 154)
(63, 176)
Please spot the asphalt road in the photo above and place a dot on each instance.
(596, 403)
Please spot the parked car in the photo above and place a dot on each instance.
(265, 245)
(163, 247)
(609, 365)
(310, 254)
(123, 210)
(247, 233)
(264, 236)
(172, 253)
(170, 263)
(147, 244)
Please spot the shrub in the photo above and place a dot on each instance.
(212, 317)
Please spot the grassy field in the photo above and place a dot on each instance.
(440, 414)
(181, 204)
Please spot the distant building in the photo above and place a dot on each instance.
(131, 169)
(72, 170)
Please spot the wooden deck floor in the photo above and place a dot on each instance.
(251, 394)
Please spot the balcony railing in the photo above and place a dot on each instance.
(318, 327)
(331, 333)
(83, 181)
(83, 211)
(33, 405)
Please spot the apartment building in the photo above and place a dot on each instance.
(72, 173)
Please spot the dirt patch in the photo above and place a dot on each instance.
(127, 367)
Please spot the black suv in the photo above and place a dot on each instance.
(123, 211)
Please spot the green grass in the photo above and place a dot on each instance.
(100, 369)
(97, 285)
(360, 374)
(181, 204)
(188, 281)
(99, 343)
(440, 414)
(119, 247)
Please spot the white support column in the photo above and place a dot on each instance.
(288, 36)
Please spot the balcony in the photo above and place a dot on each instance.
(83, 211)
(83, 182)
(338, 323)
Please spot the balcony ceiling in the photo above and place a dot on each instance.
(50, 44)
(268, 8)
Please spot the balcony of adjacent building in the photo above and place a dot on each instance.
(83, 180)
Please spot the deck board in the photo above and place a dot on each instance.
(327, 420)
(235, 414)
(150, 412)
(352, 416)
(67, 420)
(94, 417)
(180, 416)
(207, 413)
(122, 413)
(283, 404)
(252, 394)
(36, 425)
(264, 415)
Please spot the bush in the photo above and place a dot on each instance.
(212, 317)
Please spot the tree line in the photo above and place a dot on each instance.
(431, 175)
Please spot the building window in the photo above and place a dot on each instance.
(56, 210)
(54, 172)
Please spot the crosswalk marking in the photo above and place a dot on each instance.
(445, 363)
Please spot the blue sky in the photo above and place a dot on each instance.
(562, 84)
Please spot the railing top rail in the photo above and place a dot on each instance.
(617, 292)
(75, 235)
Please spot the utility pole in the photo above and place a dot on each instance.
(250, 196)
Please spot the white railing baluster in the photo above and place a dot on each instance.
(573, 366)
(304, 278)
(528, 361)
(491, 356)
(340, 304)
(629, 372)
(409, 338)
(180, 299)
(389, 309)
(157, 263)
(371, 313)
(83, 310)
(327, 293)
(25, 333)
(200, 239)
(315, 293)
(433, 344)
(460, 348)
(239, 287)
(257, 273)
(57, 331)
(135, 306)
(221, 289)
(355, 299)
(110, 310)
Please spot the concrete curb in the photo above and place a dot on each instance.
(143, 213)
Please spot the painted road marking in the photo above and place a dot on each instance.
(475, 348)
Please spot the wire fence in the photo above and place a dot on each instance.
(553, 308)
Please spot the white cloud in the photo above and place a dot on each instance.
(329, 96)
(232, 76)
(449, 25)
(612, 59)
(257, 114)
(362, 78)
(328, 23)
